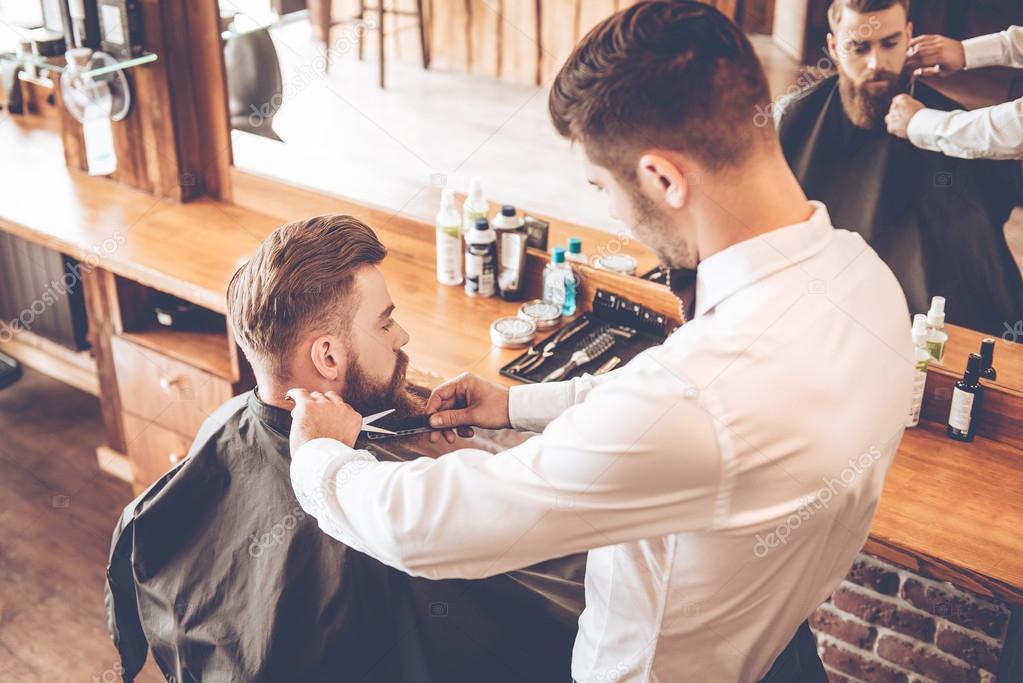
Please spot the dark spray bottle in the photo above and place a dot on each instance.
(987, 357)
(966, 399)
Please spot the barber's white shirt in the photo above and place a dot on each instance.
(722, 482)
(991, 132)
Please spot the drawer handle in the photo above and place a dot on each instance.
(167, 384)
(174, 458)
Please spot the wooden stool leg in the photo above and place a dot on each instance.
(423, 43)
(380, 42)
(320, 18)
(362, 26)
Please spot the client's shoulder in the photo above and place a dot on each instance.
(807, 95)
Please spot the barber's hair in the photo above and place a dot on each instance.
(663, 73)
(860, 7)
(299, 281)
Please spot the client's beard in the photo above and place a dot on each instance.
(370, 396)
(866, 108)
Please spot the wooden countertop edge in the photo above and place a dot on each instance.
(936, 568)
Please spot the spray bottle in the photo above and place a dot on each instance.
(922, 358)
(449, 241)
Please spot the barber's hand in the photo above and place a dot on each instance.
(319, 415)
(903, 109)
(467, 400)
(932, 55)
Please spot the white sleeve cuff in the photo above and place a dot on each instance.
(983, 51)
(531, 407)
(924, 126)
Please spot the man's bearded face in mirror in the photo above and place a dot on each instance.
(869, 50)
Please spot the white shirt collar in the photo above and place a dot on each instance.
(742, 264)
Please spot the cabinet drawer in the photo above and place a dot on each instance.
(152, 449)
(163, 390)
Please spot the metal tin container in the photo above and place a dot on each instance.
(512, 333)
(543, 314)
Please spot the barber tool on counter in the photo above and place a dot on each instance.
(449, 240)
(559, 282)
(582, 345)
(481, 260)
(922, 358)
(967, 398)
(511, 253)
(987, 357)
(937, 337)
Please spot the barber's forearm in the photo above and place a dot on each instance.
(997, 49)
(991, 133)
(532, 407)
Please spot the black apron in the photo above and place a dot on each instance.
(219, 572)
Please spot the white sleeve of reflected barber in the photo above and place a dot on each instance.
(989, 133)
(609, 470)
(996, 49)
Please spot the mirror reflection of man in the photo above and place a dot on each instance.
(938, 222)
(723, 482)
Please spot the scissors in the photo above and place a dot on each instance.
(368, 427)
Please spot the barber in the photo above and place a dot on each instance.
(722, 482)
(994, 132)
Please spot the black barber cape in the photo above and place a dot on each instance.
(937, 221)
(218, 570)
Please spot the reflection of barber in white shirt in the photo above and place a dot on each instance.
(723, 482)
(994, 132)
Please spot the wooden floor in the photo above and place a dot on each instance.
(57, 511)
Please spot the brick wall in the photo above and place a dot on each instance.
(888, 625)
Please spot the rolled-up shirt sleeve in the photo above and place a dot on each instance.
(610, 469)
(994, 132)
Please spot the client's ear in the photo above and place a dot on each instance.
(328, 357)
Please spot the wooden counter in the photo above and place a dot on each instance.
(951, 511)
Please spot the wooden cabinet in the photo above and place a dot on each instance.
(168, 380)
(165, 391)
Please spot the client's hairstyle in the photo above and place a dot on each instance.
(298, 281)
(663, 73)
(860, 7)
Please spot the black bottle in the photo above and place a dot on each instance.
(987, 356)
(966, 399)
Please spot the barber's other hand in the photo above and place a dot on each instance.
(467, 400)
(317, 415)
(903, 109)
(931, 55)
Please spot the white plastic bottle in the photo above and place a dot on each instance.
(481, 260)
(936, 334)
(475, 206)
(449, 241)
(922, 358)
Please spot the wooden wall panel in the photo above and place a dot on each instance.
(520, 42)
(557, 35)
(589, 13)
(450, 34)
(485, 36)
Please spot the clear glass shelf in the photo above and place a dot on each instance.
(46, 64)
